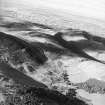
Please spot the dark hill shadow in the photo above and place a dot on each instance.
(36, 53)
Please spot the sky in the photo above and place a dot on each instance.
(89, 8)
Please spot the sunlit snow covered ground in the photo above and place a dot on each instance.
(78, 71)
(97, 99)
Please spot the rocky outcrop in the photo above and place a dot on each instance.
(92, 86)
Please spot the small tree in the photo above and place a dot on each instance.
(71, 93)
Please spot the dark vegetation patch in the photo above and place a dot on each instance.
(11, 43)
(25, 26)
(35, 33)
(90, 45)
(88, 36)
(42, 26)
(39, 96)
(51, 48)
(71, 46)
